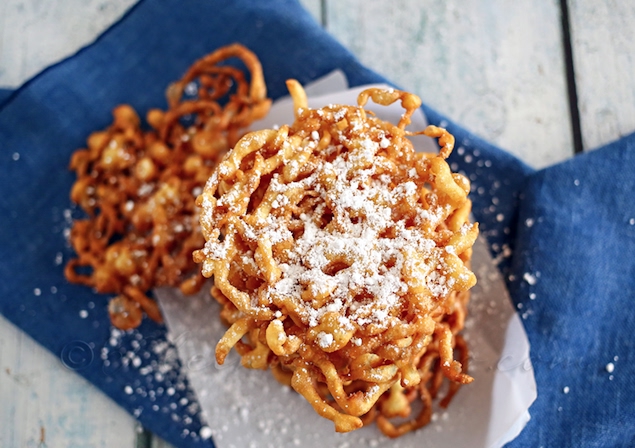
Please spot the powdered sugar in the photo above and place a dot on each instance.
(325, 340)
(354, 254)
(164, 378)
(530, 278)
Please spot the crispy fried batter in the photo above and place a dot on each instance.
(340, 256)
(138, 188)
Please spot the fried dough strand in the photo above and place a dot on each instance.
(340, 258)
(138, 188)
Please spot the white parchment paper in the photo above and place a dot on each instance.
(249, 408)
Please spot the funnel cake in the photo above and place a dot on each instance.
(340, 257)
(138, 187)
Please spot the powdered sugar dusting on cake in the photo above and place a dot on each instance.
(354, 252)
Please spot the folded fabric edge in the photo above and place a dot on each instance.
(5, 95)
(577, 231)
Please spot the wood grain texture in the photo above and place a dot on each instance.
(602, 39)
(159, 443)
(35, 34)
(315, 8)
(494, 66)
(43, 404)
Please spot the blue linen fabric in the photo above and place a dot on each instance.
(4, 95)
(562, 236)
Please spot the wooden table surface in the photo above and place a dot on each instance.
(543, 79)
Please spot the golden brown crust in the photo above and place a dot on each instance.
(340, 255)
(138, 187)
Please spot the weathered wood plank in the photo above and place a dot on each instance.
(602, 39)
(35, 34)
(45, 404)
(494, 66)
(159, 443)
(315, 8)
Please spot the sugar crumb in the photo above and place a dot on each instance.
(529, 278)
(205, 433)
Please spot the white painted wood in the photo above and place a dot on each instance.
(494, 66)
(603, 43)
(159, 443)
(314, 7)
(42, 403)
(35, 34)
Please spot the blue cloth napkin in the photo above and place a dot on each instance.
(4, 95)
(564, 236)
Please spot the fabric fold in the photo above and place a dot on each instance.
(573, 281)
(4, 95)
